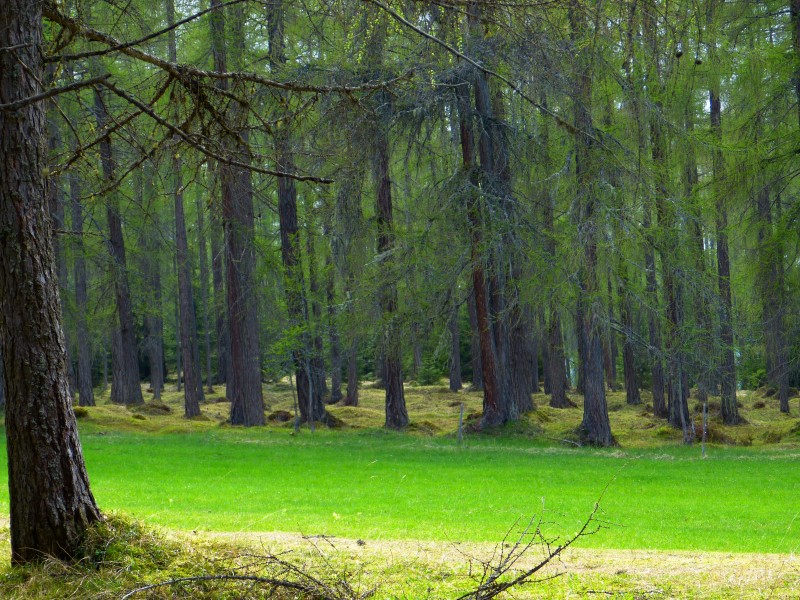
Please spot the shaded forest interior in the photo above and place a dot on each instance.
(522, 197)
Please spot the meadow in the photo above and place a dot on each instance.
(387, 490)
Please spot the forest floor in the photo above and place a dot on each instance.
(414, 515)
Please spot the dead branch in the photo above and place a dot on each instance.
(492, 582)
(22, 103)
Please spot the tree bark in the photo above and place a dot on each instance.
(595, 428)
(333, 327)
(244, 379)
(150, 244)
(455, 350)
(51, 504)
(396, 413)
(193, 380)
(307, 380)
(727, 366)
(203, 258)
(84, 341)
(125, 385)
(474, 343)
(493, 401)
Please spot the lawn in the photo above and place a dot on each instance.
(670, 519)
(373, 484)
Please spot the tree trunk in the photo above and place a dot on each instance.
(455, 350)
(595, 428)
(727, 367)
(309, 390)
(50, 502)
(56, 204)
(149, 240)
(244, 379)
(493, 402)
(396, 413)
(203, 257)
(333, 327)
(193, 380)
(125, 386)
(84, 346)
(315, 322)
(678, 410)
(474, 343)
(632, 395)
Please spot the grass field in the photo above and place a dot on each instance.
(360, 482)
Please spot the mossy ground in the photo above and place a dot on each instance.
(434, 410)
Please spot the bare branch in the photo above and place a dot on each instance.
(198, 143)
(187, 73)
(12, 106)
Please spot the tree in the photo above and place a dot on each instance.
(51, 503)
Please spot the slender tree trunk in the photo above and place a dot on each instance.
(193, 381)
(318, 354)
(474, 343)
(678, 410)
(455, 350)
(595, 427)
(727, 367)
(493, 401)
(56, 204)
(333, 325)
(309, 390)
(85, 389)
(125, 386)
(150, 250)
(632, 395)
(396, 413)
(203, 258)
(51, 505)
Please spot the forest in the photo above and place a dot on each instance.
(595, 195)
(542, 202)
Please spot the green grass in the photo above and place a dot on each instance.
(423, 503)
(378, 485)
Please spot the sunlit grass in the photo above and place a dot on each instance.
(360, 481)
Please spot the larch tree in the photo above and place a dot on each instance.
(51, 503)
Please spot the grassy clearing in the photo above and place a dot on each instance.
(665, 508)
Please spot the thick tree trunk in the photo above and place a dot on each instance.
(125, 385)
(244, 379)
(50, 502)
(455, 350)
(84, 341)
